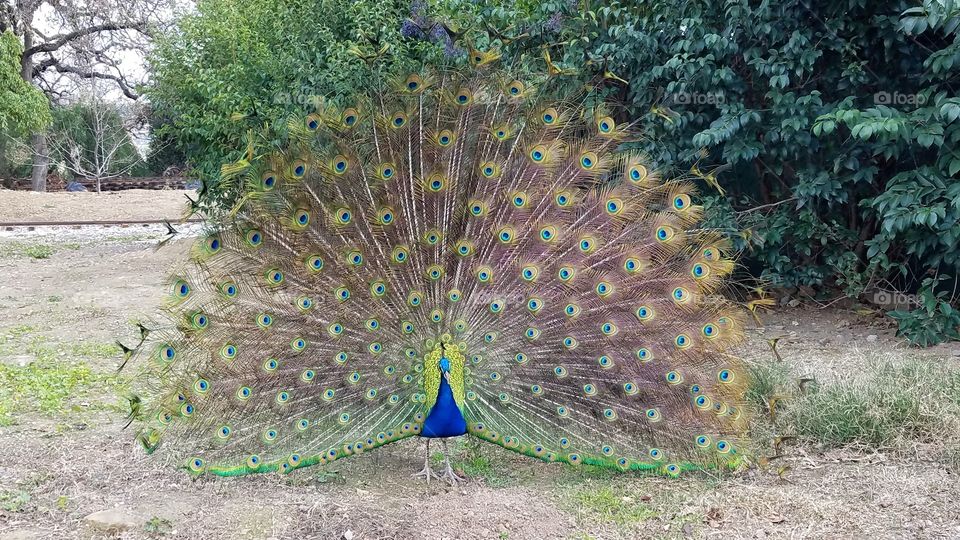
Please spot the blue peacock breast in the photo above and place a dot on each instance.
(445, 418)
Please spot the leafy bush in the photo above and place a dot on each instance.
(934, 322)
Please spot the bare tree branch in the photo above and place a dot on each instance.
(92, 74)
(60, 41)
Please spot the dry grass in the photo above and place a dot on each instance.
(900, 403)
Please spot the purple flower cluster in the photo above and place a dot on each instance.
(420, 26)
(554, 22)
(411, 30)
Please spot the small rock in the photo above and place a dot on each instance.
(18, 361)
(793, 303)
(113, 520)
(872, 337)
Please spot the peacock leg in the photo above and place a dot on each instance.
(427, 472)
(450, 475)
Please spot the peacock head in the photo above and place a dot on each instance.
(444, 365)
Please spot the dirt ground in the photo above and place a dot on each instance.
(20, 206)
(57, 467)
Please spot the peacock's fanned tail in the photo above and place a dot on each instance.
(567, 283)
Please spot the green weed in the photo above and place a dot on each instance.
(56, 375)
(14, 501)
(158, 526)
(612, 507)
(38, 251)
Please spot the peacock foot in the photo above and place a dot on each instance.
(426, 473)
(452, 477)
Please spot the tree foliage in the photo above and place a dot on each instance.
(235, 66)
(23, 108)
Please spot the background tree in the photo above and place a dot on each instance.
(91, 139)
(233, 67)
(23, 108)
(69, 40)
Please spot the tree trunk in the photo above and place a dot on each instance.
(41, 162)
(41, 155)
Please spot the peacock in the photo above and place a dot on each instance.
(457, 253)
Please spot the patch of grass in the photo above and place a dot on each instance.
(326, 476)
(17, 331)
(158, 526)
(42, 386)
(14, 501)
(38, 251)
(478, 462)
(54, 377)
(918, 401)
(54, 298)
(612, 506)
(951, 455)
(95, 350)
(767, 382)
(34, 251)
(582, 472)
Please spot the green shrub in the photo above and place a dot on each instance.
(934, 322)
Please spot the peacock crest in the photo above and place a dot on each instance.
(452, 230)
